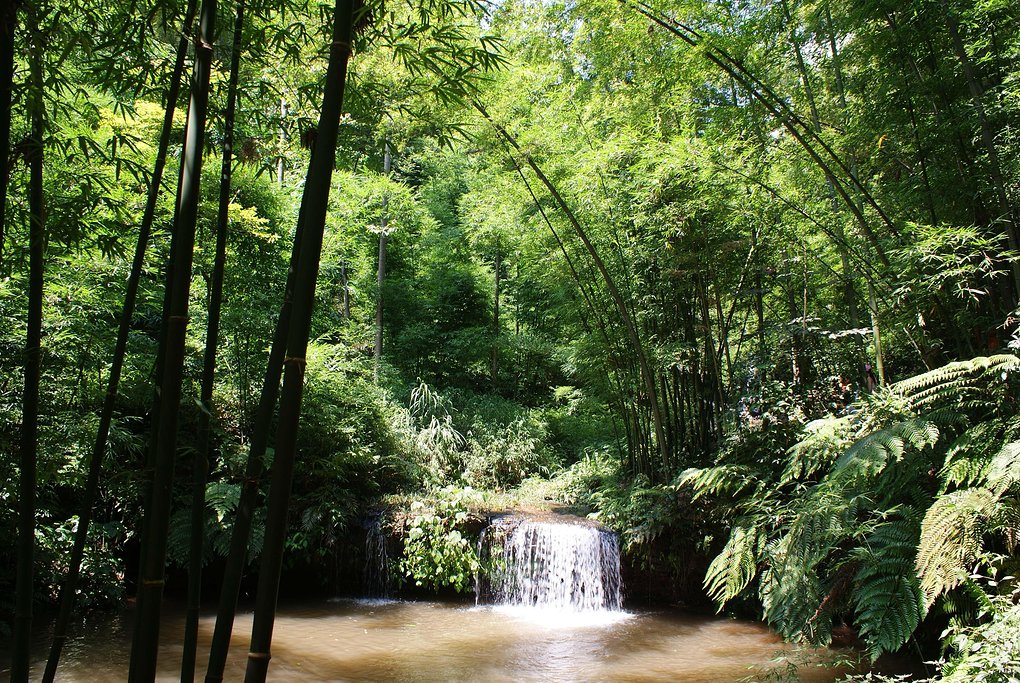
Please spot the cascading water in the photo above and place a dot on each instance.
(567, 566)
(376, 572)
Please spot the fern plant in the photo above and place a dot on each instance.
(879, 515)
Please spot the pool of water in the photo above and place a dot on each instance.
(348, 640)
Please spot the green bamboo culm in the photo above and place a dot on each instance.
(23, 593)
(201, 463)
(69, 588)
(240, 533)
(144, 647)
(313, 216)
(647, 374)
(9, 19)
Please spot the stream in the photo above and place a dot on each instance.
(377, 640)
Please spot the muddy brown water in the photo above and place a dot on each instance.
(414, 642)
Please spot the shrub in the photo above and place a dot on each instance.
(438, 551)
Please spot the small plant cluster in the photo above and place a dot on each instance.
(438, 551)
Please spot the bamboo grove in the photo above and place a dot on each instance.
(459, 241)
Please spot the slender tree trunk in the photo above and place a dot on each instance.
(145, 644)
(381, 271)
(30, 401)
(9, 17)
(589, 298)
(988, 139)
(346, 294)
(69, 588)
(314, 205)
(495, 314)
(283, 143)
(240, 533)
(201, 463)
(876, 330)
(625, 317)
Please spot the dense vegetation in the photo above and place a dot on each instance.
(739, 278)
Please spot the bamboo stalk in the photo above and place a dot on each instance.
(314, 203)
(144, 649)
(24, 587)
(200, 467)
(69, 587)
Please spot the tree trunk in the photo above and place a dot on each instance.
(201, 462)
(988, 139)
(876, 330)
(69, 588)
(346, 293)
(283, 143)
(240, 533)
(145, 644)
(621, 307)
(380, 276)
(10, 21)
(22, 641)
(313, 216)
(495, 315)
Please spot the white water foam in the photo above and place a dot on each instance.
(558, 568)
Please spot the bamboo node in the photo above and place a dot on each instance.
(259, 655)
(343, 44)
(178, 317)
(154, 582)
(297, 360)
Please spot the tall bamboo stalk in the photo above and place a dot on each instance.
(240, 533)
(33, 360)
(314, 203)
(9, 21)
(244, 514)
(200, 467)
(381, 271)
(647, 376)
(69, 588)
(145, 644)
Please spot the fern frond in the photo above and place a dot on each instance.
(735, 566)
(790, 592)
(718, 480)
(870, 455)
(967, 458)
(1004, 469)
(954, 380)
(825, 440)
(951, 539)
(888, 603)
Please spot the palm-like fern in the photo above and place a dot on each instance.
(887, 598)
(868, 521)
(951, 539)
(736, 565)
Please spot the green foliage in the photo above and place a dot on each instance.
(438, 551)
(102, 571)
(877, 515)
(988, 652)
(735, 566)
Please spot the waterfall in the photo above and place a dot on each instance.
(568, 566)
(376, 572)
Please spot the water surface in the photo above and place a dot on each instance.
(419, 642)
